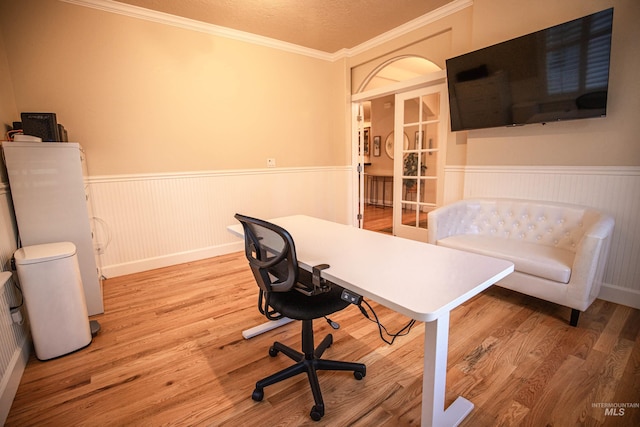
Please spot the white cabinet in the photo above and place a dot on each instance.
(52, 205)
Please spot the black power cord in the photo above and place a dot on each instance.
(15, 284)
(402, 332)
(21, 297)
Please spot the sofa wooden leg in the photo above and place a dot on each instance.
(574, 317)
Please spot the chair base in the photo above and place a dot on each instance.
(308, 361)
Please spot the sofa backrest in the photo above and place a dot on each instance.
(547, 223)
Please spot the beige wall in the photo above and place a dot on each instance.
(142, 97)
(8, 111)
(610, 141)
(145, 98)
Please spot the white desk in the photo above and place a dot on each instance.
(421, 281)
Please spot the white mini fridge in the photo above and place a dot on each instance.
(51, 202)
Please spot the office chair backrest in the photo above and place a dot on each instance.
(271, 254)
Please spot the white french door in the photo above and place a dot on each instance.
(420, 130)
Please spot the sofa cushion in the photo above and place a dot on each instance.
(544, 261)
(548, 224)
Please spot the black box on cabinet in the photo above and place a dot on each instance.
(42, 125)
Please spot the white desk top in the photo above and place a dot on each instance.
(419, 280)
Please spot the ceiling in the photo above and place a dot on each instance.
(324, 25)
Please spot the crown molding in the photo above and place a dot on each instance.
(421, 21)
(112, 6)
(193, 25)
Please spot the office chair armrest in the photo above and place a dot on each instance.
(318, 284)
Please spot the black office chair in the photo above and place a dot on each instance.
(289, 291)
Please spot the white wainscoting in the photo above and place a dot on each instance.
(453, 184)
(14, 342)
(615, 190)
(151, 221)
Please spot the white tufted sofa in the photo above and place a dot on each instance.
(559, 250)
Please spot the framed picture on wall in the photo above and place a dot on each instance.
(376, 146)
(366, 141)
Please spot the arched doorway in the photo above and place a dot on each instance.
(384, 150)
(396, 70)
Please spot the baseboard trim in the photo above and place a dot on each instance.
(12, 376)
(171, 259)
(620, 295)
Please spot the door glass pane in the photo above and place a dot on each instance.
(412, 134)
(409, 189)
(430, 139)
(429, 162)
(411, 164)
(411, 110)
(422, 218)
(418, 137)
(428, 191)
(409, 216)
(415, 215)
(430, 107)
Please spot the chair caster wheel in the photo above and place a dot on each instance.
(317, 412)
(359, 375)
(273, 352)
(257, 395)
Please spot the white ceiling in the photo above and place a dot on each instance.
(324, 25)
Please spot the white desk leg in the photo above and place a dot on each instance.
(436, 344)
(265, 327)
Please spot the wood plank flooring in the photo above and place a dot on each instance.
(378, 218)
(171, 353)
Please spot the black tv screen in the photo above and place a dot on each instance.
(561, 73)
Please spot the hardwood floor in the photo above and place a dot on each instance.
(377, 218)
(171, 353)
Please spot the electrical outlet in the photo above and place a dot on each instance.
(271, 162)
(351, 297)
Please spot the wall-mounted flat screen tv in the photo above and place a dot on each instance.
(561, 73)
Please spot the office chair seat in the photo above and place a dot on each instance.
(296, 305)
(271, 254)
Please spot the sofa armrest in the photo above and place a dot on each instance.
(589, 263)
(446, 221)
